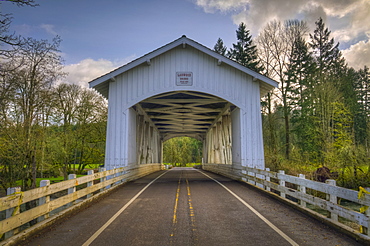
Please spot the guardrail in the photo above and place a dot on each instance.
(25, 209)
(348, 209)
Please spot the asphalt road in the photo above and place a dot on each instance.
(189, 207)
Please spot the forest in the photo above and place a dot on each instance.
(319, 115)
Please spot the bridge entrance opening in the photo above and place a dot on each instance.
(182, 152)
(193, 114)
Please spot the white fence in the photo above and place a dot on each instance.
(50, 199)
(348, 209)
(324, 200)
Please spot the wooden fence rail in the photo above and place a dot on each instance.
(322, 199)
(65, 193)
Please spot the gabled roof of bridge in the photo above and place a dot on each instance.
(101, 83)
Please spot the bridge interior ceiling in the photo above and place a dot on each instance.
(184, 113)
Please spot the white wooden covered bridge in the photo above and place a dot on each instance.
(183, 89)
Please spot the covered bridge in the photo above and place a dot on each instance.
(183, 89)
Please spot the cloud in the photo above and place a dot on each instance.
(89, 69)
(49, 29)
(352, 14)
(358, 55)
(212, 6)
(348, 20)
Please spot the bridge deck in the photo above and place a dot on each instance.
(187, 207)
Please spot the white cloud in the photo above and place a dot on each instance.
(49, 29)
(89, 69)
(358, 55)
(256, 13)
(212, 6)
(348, 20)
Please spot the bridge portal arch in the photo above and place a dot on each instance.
(183, 89)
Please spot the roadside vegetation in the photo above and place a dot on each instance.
(47, 128)
(320, 114)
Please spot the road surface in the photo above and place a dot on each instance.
(185, 206)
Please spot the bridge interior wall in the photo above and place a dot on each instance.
(219, 142)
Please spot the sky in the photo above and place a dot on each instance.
(101, 35)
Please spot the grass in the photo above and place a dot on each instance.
(53, 180)
(88, 166)
(179, 165)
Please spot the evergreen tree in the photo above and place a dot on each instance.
(219, 47)
(299, 79)
(326, 54)
(362, 120)
(244, 51)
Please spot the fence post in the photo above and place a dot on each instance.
(302, 189)
(366, 230)
(91, 183)
(12, 211)
(102, 179)
(332, 198)
(282, 183)
(43, 200)
(72, 189)
(267, 178)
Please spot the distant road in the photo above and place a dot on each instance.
(185, 206)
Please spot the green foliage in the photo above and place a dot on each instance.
(327, 104)
(219, 47)
(244, 51)
(45, 128)
(181, 151)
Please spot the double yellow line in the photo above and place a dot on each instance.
(190, 205)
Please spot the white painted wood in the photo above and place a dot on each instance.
(101, 82)
(212, 74)
(332, 198)
(103, 178)
(366, 230)
(43, 200)
(90, 183)
(281, 182)
(267, 178)
(236, 137)
(302, 189)
(11, 191)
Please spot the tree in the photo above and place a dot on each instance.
(182, 150)
(362, 122)
(37, 64)
(219, 47)
(276, 44)
(330, 86)
(91, 117)
(244, 51)
(5, 21)
(326, 54)
(66, 96)
(300, 74)
(81, 114)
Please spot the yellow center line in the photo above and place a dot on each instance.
(191, 209)
(191, 213)
(174, 218)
